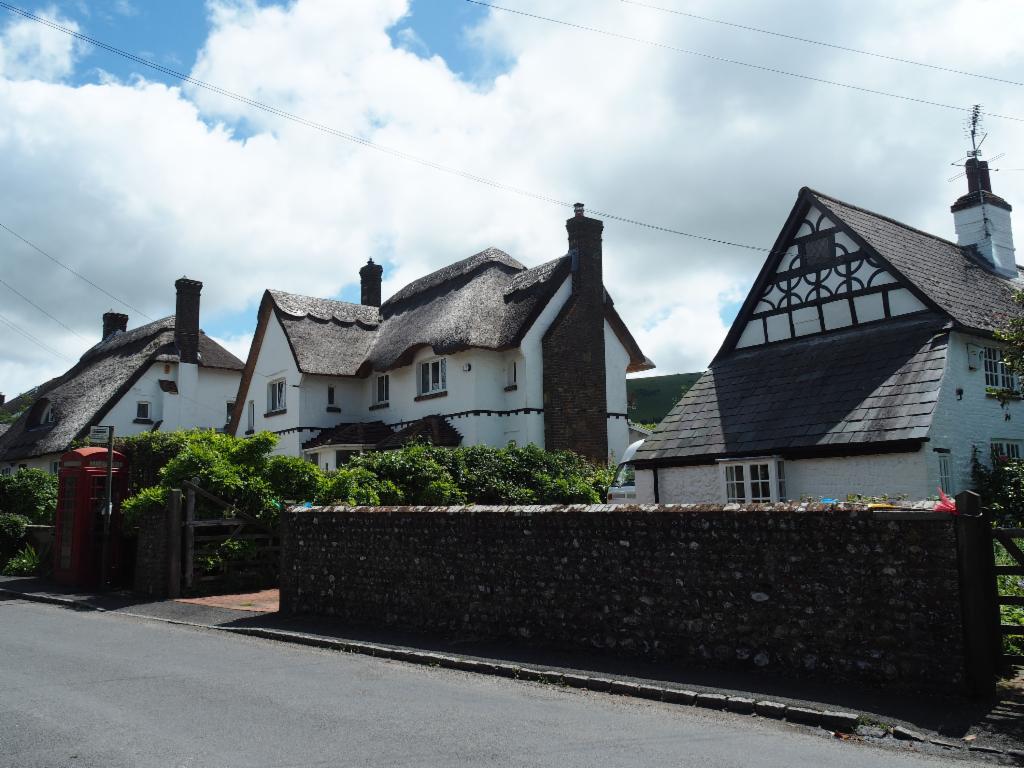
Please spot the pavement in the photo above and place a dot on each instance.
(950, 728)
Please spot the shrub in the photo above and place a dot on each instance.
(146, 501)
(31, 493)
(1001, 488)
(24, 563)
(293, 478)
(12, 533)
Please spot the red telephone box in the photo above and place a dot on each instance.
(78, 534)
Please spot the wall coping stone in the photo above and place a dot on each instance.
(906, 511)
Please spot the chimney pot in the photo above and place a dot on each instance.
(186, 319)
(114, 321)
(577, 209)
(369, 284)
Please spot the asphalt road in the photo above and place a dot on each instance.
(89, 689)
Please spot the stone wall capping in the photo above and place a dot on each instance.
(773, 709)
(907, 511)
(803, 715)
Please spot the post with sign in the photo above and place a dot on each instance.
(104, 434)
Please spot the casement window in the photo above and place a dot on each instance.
(251, 421)
(383, 389)
(997, 375)
(276, 396)
(330, 395)
(754, 482)
(142, 411)
(1006, 449)
(512, 373)
(5, 471)
(54, 467)
(433, 376)
(229, 411)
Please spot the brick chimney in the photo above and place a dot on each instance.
(3, 398)
(585, 254)
(369, 282)
(982, 220)
(186, 319)
(575, 383)
(114, 321)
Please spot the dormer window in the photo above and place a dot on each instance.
(42, 415)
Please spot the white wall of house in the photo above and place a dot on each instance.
(274, 361)
(47, 463)
(616, 360)
(201, 402)
(971, 420)
(892, 474)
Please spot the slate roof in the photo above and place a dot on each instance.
(368, 433)
(102, 375)
(952, 277)
(809, 396)
(432, 429)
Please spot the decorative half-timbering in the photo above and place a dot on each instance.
(825, 280)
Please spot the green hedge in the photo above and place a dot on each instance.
(241, 470)
(31, 493)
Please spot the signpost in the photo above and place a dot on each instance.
(103, 435)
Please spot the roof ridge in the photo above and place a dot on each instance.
(447, 273)
(882, 216)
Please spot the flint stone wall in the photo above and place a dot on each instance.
(840, 592)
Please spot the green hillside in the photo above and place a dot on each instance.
(651, 398)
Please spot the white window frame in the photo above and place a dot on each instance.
(230, 408)
(997, 375)
(946, 474)
(251, 421)
(512, 373)
(277, 396)
(48, 416)
(143, 410)
(382, 386)
(1011, 449)
(440, 364)
(331, 394)
(751, 477)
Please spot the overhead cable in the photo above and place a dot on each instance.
(810, 41)
(737, 62)
(77, 274)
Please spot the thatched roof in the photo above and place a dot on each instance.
(83, 395)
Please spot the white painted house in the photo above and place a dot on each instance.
(863, 361)
(481, 352)
(165, 375)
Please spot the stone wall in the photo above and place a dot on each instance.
(840, 593)
(152, 554)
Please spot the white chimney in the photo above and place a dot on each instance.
(982, 219)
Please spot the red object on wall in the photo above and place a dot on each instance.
(78, 534)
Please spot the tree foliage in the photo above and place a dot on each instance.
(31, 493)
(242, 471)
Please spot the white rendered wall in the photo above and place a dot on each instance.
(616, 360)
(274, 361)
(971, 421)
(893, 474)
(44, 463)
(988, 227)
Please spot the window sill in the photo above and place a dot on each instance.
(379, 406)
(511, 388)
(431, 395)
(249, 432)
(142, 421)
(333, 409)
(268, 414)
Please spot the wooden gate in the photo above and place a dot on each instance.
(1010, 586)
(234, 551)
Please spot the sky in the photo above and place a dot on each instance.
(133, 178)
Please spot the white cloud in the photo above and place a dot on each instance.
(28, 50)
(136, 184)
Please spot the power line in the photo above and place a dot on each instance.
(822, 43)
(353, 138)
(737, 62)
(15, 291)
(72, 271)
(33, 339)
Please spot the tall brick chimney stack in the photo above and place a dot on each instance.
(585, 252)
(369, 283)
(186, 319)
(575, 382)
(114, 321)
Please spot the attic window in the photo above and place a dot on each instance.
(42, 414)
(818, 252)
